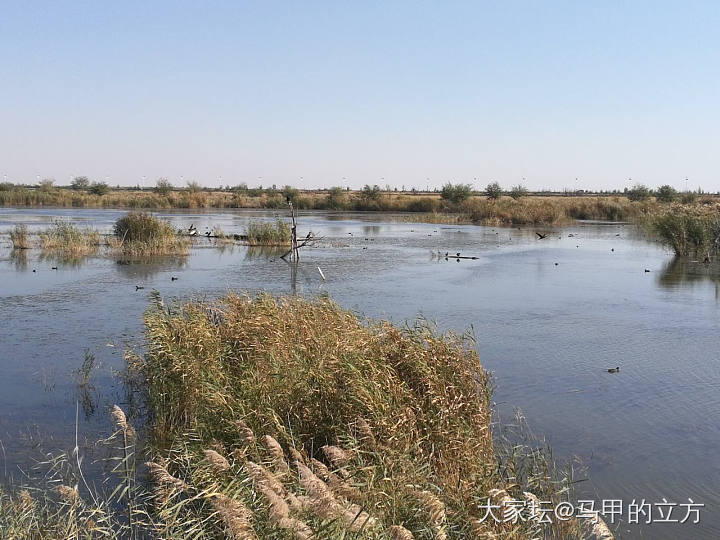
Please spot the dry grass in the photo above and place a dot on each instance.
(688, 230)
(263, 233)
(142, 234)
(292, 419)
(319, 423)
(19, 237)
(69, 240)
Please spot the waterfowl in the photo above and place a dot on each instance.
(613, 370)
(541, 236)
(138, 287)
(457, 254)
(646, 270)
(192, 231)
(173, 278)
(53, 268)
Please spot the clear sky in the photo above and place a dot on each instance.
(347, 93)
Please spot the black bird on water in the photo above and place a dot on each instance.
(173, 278)
(613, 370)
(53, 268)
(192, 231)
(540, 235)
(138, 287)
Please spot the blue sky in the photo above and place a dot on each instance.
(348, 93)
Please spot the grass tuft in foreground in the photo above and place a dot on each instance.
(263, 233)
(142, 234)
(304, 421)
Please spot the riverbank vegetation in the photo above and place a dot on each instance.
(492, 204)
(295, 419)
(690, 232)
(263, 233)
(142, 234)
(69, 240)
(304, 421)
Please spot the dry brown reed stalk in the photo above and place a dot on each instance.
(121, 423)
(279, 508)
(596, 530)
(246, 435)
(164, 485)
(398, 532)
(365, 434)
(325, 505)
(25, 500)
(336, 484)
(277, 457)
(67, 494)
(435, 510)
(236, 517)
(295, 455)
(337, 456)
(217, 462)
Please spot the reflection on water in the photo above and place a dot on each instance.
(19, 258)
(681, 271)
(269, 252)
(61, 258)
(147, 267)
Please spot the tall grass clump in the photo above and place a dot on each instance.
(65, 238)
(303, 420)
(263, 233)
(689, 232)
(139, 233)
(19, 237)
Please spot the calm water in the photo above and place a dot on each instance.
(547, 332)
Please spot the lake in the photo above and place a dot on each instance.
(549, 317)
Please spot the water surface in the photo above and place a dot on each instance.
(549, 316)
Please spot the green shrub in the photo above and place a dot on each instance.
(80, 183)
(493, 190)
(517, 192)
(99, 188)
(456, 193)
(666, 194)
(639, 192)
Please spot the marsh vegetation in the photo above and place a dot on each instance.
(264, 233)
(142, 234)
(286, 418)
(68, 239)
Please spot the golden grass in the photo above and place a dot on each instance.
(69, 240)
(19, 237)
(314, 420)
(262, 233)
(142, 234)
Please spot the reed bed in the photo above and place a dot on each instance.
(691, 231)
(294, 419)
(303, 420)
(263, 233)
(505, 210)
(142, 234)
(69, 240)
(19, 237)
